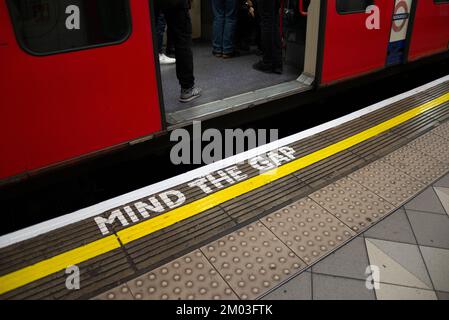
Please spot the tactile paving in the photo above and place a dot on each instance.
(442, 130)
(352, 203)
(433, 145)
(388, 182)
(120, 293)
(309, 230)
(416, 164)
(190, 277)
(252, 260)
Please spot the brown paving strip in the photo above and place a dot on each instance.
(151, 250)
(426, 122)
(95, 275)
(341, 132)
(324, 172)
(438, 90)
(259, 201)
(378, 147)
(396, 109)
(48, 245)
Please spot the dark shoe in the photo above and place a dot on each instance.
(278, 70)
(188, 95)
(217, 54)
(263, 67)
(228, 55)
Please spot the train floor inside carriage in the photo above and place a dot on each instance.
(221, 79)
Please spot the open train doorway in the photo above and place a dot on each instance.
(232, 84)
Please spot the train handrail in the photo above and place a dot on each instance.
(301, 8)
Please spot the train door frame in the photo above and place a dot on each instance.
(408, 34)
(305, 81)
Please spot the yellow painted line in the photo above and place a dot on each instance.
(57, 263)
(60, 262)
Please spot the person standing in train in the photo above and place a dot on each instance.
(161, 26)
(179, 23)
(224, 26)
(270, 37)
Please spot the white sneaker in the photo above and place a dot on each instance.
(163, 59)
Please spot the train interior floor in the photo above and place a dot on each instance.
(221, 78)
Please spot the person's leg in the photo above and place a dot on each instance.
(180, 26)
(257, 28)
(277, 39)
(218, 10)
(266, 24)
(170, 50)
(270, 37)
(160, 30)
(229, 26)
(161, 25)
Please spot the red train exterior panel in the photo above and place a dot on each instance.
(59, 107)
(350, 49)
(430, 29)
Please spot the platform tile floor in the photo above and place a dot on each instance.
(410, 248)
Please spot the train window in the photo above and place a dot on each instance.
(441, 1)
(353, 6)
(47, 27)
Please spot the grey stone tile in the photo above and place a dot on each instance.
(426, 201)
(394, 228)
(437, 261)
(399, 263)
(430, 229)
(299, 288)
(337, 288)
(443, 194)
(443, 182)
(443, 295)
(349, 261)
(393, 292)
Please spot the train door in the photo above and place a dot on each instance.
(430, 29)
(77, 76)
(233, 84)
(357, 34)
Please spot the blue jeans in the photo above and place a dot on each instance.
(225, 22)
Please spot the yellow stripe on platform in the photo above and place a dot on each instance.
(57, 263)
(60, 262)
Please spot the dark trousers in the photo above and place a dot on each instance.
(161, 26)
(270, 33)
(180, 29)
(160, 30)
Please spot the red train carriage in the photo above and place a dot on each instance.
(81, 76)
